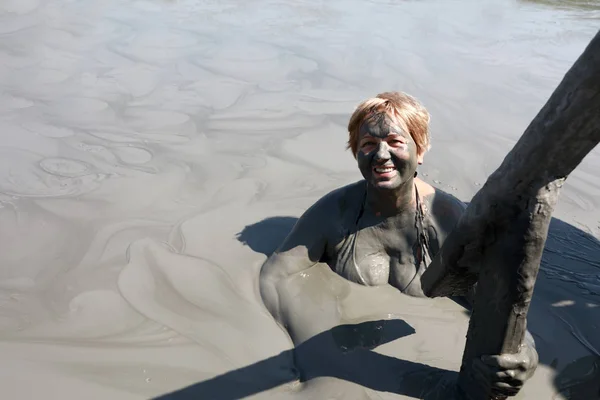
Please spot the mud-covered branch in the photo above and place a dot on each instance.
(499, 240)
(565, 130)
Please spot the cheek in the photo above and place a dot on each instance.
(403, 147)
(364, 160)
(403, 154)
(406, 151)
(405, 159)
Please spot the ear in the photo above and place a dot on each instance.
(420, 158)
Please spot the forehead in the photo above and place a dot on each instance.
(381, 124)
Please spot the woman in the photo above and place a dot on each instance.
(386, 228)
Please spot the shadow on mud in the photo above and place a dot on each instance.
(345, 351)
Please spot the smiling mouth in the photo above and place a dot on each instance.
(384, 170)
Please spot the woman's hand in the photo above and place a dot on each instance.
(505, 374)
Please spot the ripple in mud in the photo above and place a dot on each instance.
(132, 155)
(134, 137)
(580, 380)
(19, 6)
(48, 130)
(44, 77)
(114, 137)
(24, 174)
(146, 118)
(139, 80)
(81, 110)
(64, 167)
(164, 39)
(9, 103)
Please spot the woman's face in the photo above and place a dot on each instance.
(387, 155)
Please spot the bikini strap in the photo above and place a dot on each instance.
(355, 237)
(421, 237)
(420, 225)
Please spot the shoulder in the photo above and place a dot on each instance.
(339, 201)
(444, 203)
(441, 206)
(332, 208)
(324, 218)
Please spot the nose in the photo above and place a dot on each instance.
(383, 151)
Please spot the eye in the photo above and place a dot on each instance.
(396, 142)
(368, 143)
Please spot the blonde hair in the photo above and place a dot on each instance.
(401, 107)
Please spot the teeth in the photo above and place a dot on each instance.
(384, 170)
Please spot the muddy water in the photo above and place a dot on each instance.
(152, 153)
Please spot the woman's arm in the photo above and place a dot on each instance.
(301, 249)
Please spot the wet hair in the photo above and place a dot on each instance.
(400, 107)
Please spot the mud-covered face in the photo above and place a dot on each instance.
(387, 155)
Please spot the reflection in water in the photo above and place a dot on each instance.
(138, 139)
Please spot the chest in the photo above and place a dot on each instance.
(378, 255)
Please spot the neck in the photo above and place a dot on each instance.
(391, 202)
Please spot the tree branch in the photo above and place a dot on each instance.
(499, 240)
